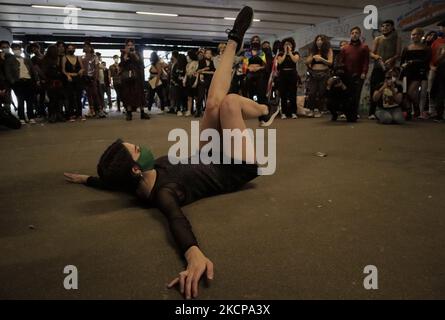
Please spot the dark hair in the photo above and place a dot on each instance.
(255, 37)
(390, 22)
(51, 56)
(192, 55)
(32, 46)
(5, 42)
(292, 42)
(325, 47)
(88, 43)
(182, 61)
(58, 43)
(208, 49)
(175, 54)
(98, 54)
(115, 56)
(115, 168)
(276, 46)
(15, 45)
(154, 58)
(356, 28)
(129, 40)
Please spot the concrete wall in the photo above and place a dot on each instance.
(5, 34)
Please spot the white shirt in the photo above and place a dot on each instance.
(24, 73)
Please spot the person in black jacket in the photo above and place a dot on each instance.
(168, 186)
(21, 76)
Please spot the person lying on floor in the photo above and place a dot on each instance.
(169, 187)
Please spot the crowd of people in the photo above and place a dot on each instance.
(405, 83)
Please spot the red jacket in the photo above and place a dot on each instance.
(355, 58)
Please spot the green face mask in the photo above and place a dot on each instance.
(146, 159)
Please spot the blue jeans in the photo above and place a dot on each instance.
(390, 116)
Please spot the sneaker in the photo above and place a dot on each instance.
(294, 116)
(270, 117)
(317, 114)
(424, 116)
(343, 116)
(72, 119)
(372, 117)
(188, 114)
(22, 122)
(310, 114)
(145, 116)
(283, 117)
(32, 121)
(179, 114)
(242, 23)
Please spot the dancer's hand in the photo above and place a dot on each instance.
(188, 280)
(76, 178)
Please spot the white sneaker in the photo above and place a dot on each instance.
(294, 116)
(283, 117)
(32, 121)
(188, 114)
(317, 113)
(179, 114)
(372, 117)
(22, 121)
(343, 117)
(310, 114)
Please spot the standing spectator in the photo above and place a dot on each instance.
(256, 79)
(415, 62)
(20, 74)
(54, 79)
(5, 88)
(288, 76)
(73, 70)
(105, 87)
(438, 68)
(177, 82)
(355, 58)
(385, 53)
(206, 69)
(39, 92)
(217, 59)
(191, 80)
(321, 58)
(132, 81)
(90, 64)
(155, 83)
(116, 81)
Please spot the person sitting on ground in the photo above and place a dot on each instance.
(389, 98)
(338, 100)
(129, 167)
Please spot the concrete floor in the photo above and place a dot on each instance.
(305, 233)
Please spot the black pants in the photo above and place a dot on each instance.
(117, 88)
(288, 92)
(377, 78)
(56, 100)
(203, 89)
(338, 101)
(73, 92)
(23, 89)
(39, 96)
(355, 86)
(257, 86)
(151, 96)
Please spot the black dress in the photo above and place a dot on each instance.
(417, 64)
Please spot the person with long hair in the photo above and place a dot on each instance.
(288, 78)
(155, 84)
(132, 81)
(54, 79)
(415, 62)
(319, 62)
(73, 69)
(191, 80)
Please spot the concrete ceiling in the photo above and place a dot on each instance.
(198, 19)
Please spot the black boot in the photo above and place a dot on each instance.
(128, 116)
(145, 116)
(242, 23)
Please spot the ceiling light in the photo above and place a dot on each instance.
(254, 20)
(54, 7)
(157, 14)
